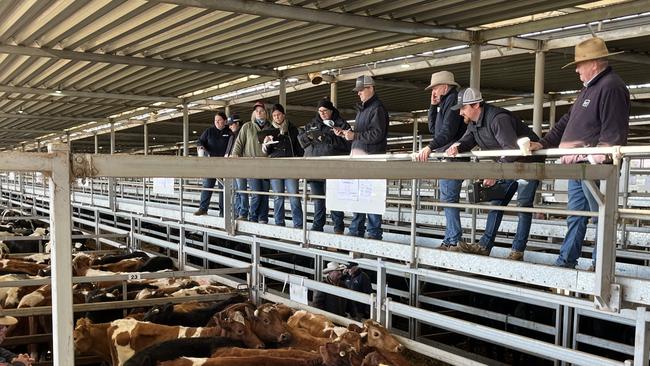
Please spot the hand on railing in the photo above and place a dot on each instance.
(423, 155)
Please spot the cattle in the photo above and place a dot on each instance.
(18, 266)
(10, 296)
(339, 354)
(128, 336)
(175, 348)
(247, 352)
(265, 320)
(302, 340)
(155, 264)
(316, 324)
(92, 338)
(378, 357)
(379, 338)
(284, 311)
(241, 361)
(114, 258)
(166, 314)
(26, 245)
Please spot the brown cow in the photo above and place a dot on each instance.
(379, 338)
(128, 336)
(265, 320)
(19, 266)
(316, 324)
(92, 338)
(302, 340)
(242, 361)
(377, 358)
(340, 354)
(247, 352)
(125, 265)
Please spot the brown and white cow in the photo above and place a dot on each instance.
(19, 266)
(316, 324)
(241, 361)
(265, 321)
(92, 338)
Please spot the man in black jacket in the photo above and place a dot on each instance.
(369, 137)
(494, 128)
(600, 116)
(318, 139)
(213, 142)
(446, 126)
(7, 357)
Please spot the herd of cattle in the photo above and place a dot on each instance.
(238, 334)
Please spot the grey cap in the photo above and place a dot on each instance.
(362, 82)
(233, 119)
(468, 96)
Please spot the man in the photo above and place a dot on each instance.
(369, 137)
(318, 139)
(248, 145)
(284, 146)
(494, 128)
(446, 126)
(7, 357)
(213, 142)
(241, 199)
(600, 116)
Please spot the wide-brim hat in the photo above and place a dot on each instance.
(7, 320)
(591, 49)
(333, 266)
(442, 77)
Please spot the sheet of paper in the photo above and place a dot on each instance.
(163, 186)
(298, 293)
(356, 195)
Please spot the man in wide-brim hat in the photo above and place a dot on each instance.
(7, 357)
(599, 117)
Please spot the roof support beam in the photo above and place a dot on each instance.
(131, 60)
(80, 94)
(581, 17)
(264, 9)
(52, 118)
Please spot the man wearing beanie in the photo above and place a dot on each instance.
(318, 139)
(369, 137)
(247, 145)
(286, 145)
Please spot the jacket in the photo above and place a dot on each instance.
(498, 129)
(371, 127)
(600, 116)
(319, 140)
(231, 142)
(287, 146)
(6, 355)
(215, 141)
(357, 280)
(247, 143)
(446, 126)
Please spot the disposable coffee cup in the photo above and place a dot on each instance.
(524, 145)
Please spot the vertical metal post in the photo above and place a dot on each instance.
(186, 130)
(626, 194)
(567, 328)
(414, 205)
(475, 66)
(538, 96)
(181, 190)
(181, 248)
(334, 94)
(415, 133)
(228, 210)
(559, 311)
(641, 335)
(38, 145)
(413, 301)
(60, 227)
(145, 143)
(227, 110)
(606, 243)
(254, 277)
(206, 242)
(304, 212)
(282, 95)
(551, 113)
(96, 138)
(381, 292)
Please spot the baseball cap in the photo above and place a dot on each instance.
(363, 81)
(468, 96)
(233, 119)
(259, 103)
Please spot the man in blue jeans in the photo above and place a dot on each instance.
(240, 204)
(600, 116)
(446, 127)
(213, 142)
(494, 128)
(369, 137)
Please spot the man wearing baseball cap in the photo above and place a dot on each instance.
(240, 203)
(600, 116)
(446, 127)
(494, 128)
(7, 357)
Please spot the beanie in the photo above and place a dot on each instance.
(278, 107)
(326, 103)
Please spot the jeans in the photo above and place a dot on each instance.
(318, 187)
(241, 199)
(525, 197)
(259, 207)
(207, 195)
(278, 186)
(358, 223)
(580, 199)
(450, 193)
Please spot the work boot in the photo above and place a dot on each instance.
(449, 247)
(200, 212)
(473, 248)
(515, 256)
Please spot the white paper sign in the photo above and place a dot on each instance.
(298, 293)
(12, 175)
(163, 186)
(356, 195)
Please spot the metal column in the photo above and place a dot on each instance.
(60, 226)
(96, 143)
(538, 97)
(111, 181)
(186, 130)
(641, 344)
(282, 95)
(38, 145)
(228, 110)
(475, 66)
(334, 93)
(112, 138)
(551, 113)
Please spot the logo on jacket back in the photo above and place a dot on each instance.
(586, 103)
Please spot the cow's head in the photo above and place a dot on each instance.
(339, 354)
(284, 311)
(268, 325)
(83, 341)
(377, 336)
(236, 327)
(81, 264)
